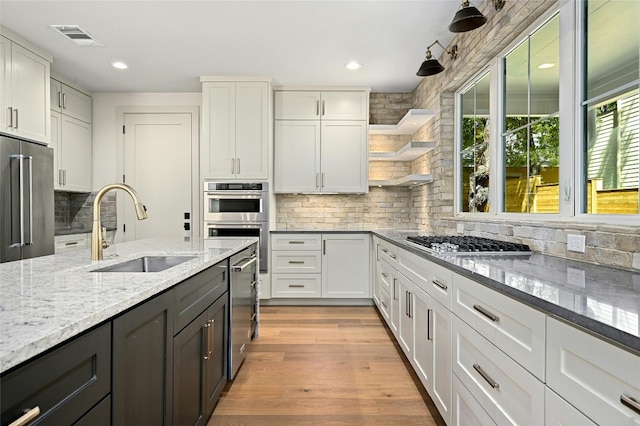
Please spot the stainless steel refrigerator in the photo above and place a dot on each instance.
(26, 200)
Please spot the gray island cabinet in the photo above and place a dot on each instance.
(162, 361)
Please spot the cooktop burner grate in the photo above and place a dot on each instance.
(467, 245)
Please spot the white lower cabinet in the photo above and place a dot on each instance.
(599, 379)
(559, 412)
(508, 392)
(73, 242)
(329, 266)
(466, 411)
(405, 288)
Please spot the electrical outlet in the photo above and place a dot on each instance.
(576, 243)
(460, 228)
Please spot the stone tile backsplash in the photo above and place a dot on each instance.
(75, 210)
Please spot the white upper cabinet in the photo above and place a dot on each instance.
(69, 101)
(235, 130)
(325, 105)
(24, 100)
(321, 141)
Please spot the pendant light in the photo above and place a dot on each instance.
(431, 66)
(469, 17)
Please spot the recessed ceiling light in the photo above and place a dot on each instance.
(546, 66)
(353, 65)
(120, 65)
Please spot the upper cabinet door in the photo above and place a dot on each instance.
(30, 94)
(297, 105)
(56, 95)
(5, 82)
(218, 148)
(344, 105)
(343, 157)
(252, 130)
(76, 104)
(297, 156)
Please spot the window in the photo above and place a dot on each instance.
(564, 120)
(474, 155)
(531, 123)
(611, 169)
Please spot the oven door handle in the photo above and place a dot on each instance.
(234, 225)
(239, 268)
(228, 196)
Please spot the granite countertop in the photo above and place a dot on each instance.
(46, 300)
(603, 300)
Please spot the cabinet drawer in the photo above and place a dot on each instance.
(508, 392)
(296, 241)
(516, 329)
(387, 252)
(385, 304)
(593, 375)
(296, 285)
(416, 268)
(466, 410)
(195, 294)
(385, 276)
(293, 262)
(66, 243)
(64, 384)
(559, 412)
(440, 284)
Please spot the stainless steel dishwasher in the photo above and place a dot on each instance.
(243, 278)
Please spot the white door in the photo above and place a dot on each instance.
(343, 156)
(297, 156)
(345, 266)
(157, 163)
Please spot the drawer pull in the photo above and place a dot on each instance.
(296, 285)
(384, 250)
(71, 243)
(27, 416)
(486, 313)
(384, 304)
(393, 256)
(384, 274)
(485, 376)
(296, 242)
(630, 402)
(296, 262)
(439, 284)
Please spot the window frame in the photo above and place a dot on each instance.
(572, 165)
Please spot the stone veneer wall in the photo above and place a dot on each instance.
(432, 205)
(75, 210)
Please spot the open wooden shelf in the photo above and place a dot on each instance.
(409, 180)
(412, 121)
(409, 152)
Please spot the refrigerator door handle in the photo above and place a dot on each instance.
(20, 159)
(30, 242)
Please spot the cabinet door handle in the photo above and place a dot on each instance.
(59, 176)
(71, 243)
(384, 250)
(630, 402)
(28, 415)
(493, 317)
(16, 123)
(429, 336)
(384, 274)
(64, 176)
(60, 100)
(10, 117)
(324, 246)
(406, 303)
(296, 285)
(237, 166)
(296, 262)
(384, 304)
(485, 376)
(233, 166)
(439, 284)
(64, 100)
(393, 256)
(395, 295)
(205, 340)
(322, 172)
(323, 108)
(318, 107)
(317, 177)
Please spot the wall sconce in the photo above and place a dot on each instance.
(431, 66)
(469, 17)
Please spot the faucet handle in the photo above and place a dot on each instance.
(103, 237)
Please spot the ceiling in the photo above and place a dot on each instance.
(168, 45)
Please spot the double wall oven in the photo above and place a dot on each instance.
(234, 209)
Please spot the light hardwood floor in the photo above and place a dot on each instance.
(324, 366)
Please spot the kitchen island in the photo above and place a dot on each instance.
(48, 300)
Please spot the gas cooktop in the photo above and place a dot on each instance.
(467, 245)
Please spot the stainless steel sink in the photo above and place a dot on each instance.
(146, 264)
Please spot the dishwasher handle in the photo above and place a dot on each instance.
(237, 267)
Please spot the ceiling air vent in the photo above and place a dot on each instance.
(76, 35)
